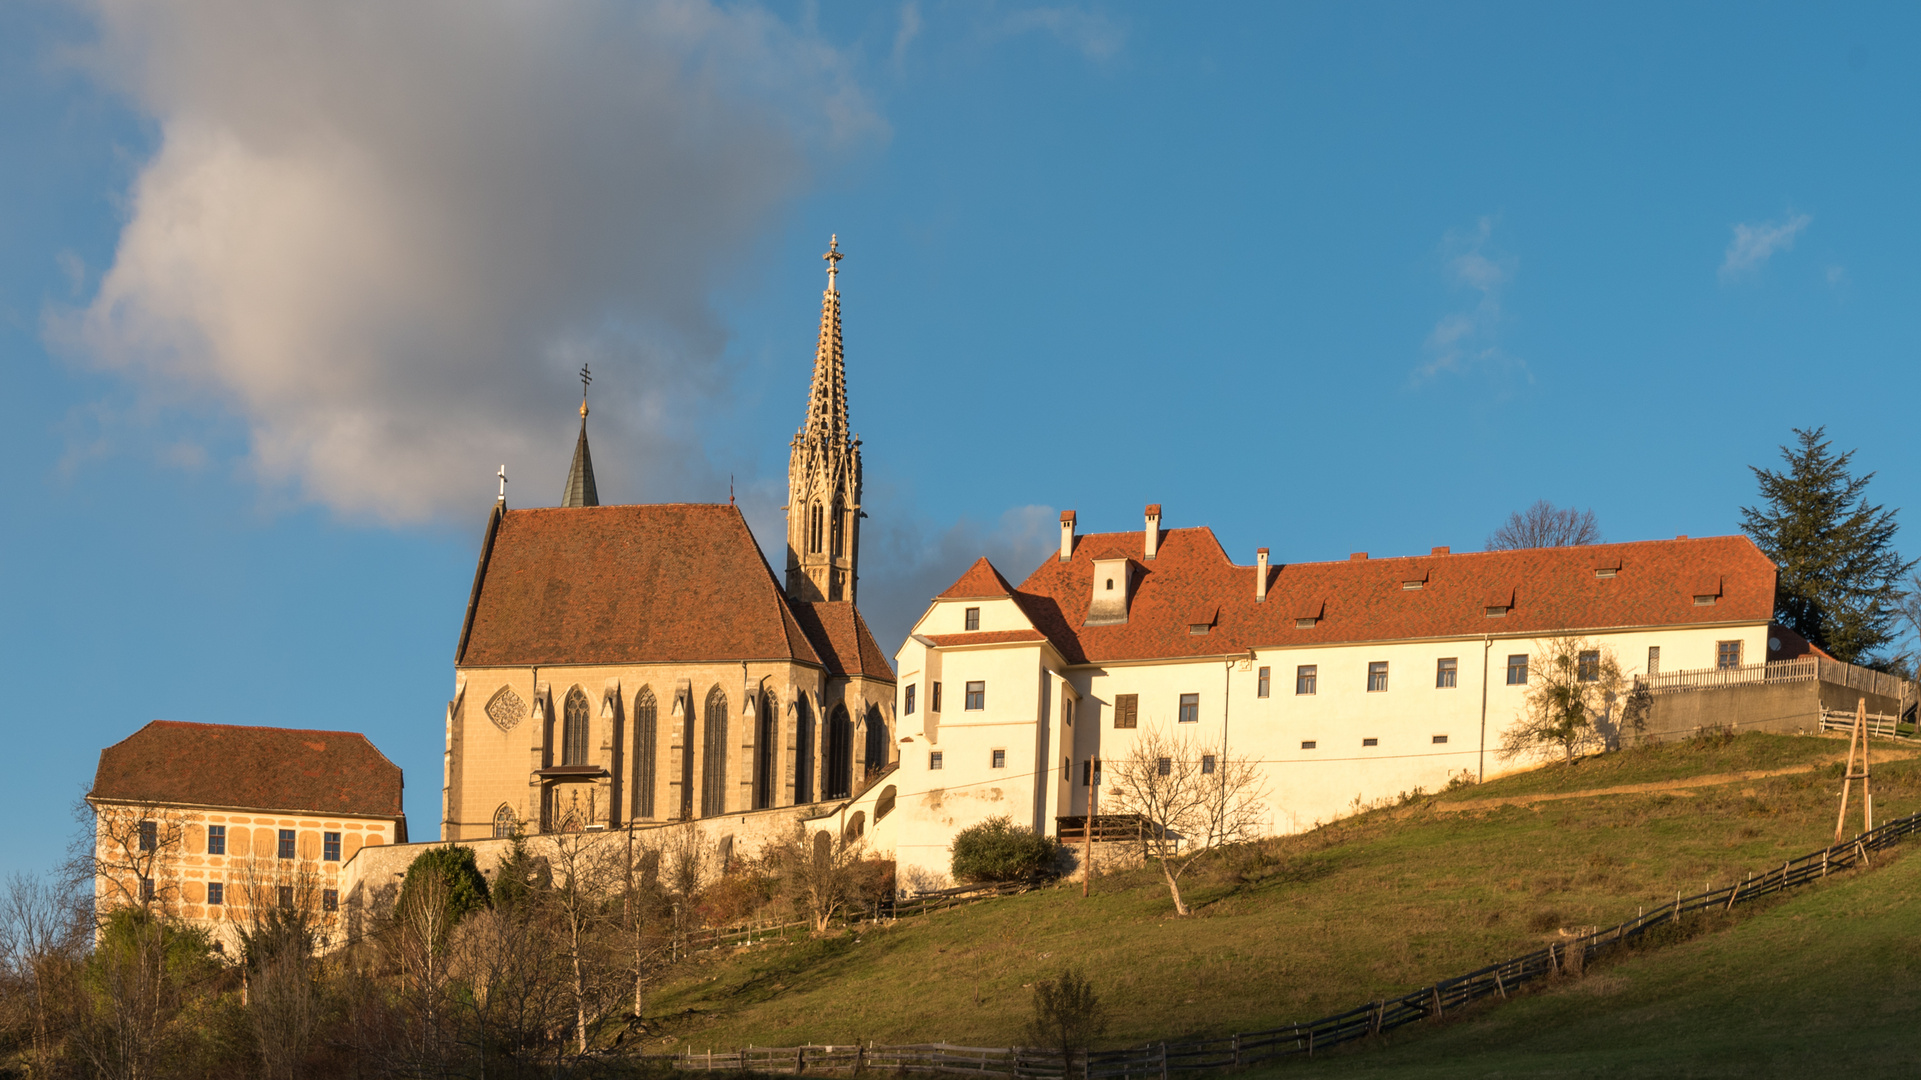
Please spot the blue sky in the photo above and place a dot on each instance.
(281, 288)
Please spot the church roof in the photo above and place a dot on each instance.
(980, 580)
(263, 768)
(1647, 583)
(580, 476)
(842, 639)
(659, 583)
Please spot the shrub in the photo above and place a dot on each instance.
(458, 883)
(999, 850)
(1068, 1015)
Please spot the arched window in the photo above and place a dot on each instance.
(646, 752)
(875, 750)
(838, 766)
(813, 528)
(840, 516)
(856, 826)
(573, 732)
(505, 823)
(713, 755)
(766, 775)
(884, 805)
(684, 703)
(803, 751)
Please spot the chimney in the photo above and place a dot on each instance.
(1067, 535)
(1153, 530)
(1359, 556)
(1439, 551)
(1260, 576)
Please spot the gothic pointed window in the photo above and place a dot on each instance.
(876, 742)
(646, 752)
(837, 763)
(573, 732)
(505, 823)
(713, 755)
(766, 775)
(804, 742)
(840, 516)
(813, 528)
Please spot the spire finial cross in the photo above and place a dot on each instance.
(586, 377)
(833, 258)
(503, 484)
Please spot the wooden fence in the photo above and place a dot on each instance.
(1843, 720)
(1800, 669)
(1160, 1060)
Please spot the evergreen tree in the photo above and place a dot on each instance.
(1840, 576)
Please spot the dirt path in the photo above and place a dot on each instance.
(1679, 787)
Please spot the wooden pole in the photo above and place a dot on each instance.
(1858, 735)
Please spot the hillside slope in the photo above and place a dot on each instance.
(1827, 983)
(1302, 926)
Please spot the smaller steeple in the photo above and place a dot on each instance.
(580, 478)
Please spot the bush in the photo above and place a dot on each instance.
(459, 884)
(999, 850)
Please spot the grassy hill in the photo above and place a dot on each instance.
(1302, 926)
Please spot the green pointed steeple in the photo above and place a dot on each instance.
(580, 478)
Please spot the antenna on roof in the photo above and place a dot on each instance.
(502, 500)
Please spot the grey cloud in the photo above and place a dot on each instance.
(386, 235)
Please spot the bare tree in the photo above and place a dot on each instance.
(132, 1018)
(1192, 799)
(1542, 525)
(44, 926)
(280, 915)
(819, 872)
(508, 959)
(131, 854)
(586, 868)
(646, 919)
(1572, 684)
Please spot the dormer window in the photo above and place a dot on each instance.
(1308, 612)
(1305, 624)
(1413, 584)
(1704, 600)
(1107, 602)
(1497, 611)
(1606, 571)
(1197, 628)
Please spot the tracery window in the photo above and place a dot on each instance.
(646, 752)
(573, 737)
(505, 823)
(506, 709)
(713, 757)
(804, 742)
(840, 516)
(813, 528)
(838, 761)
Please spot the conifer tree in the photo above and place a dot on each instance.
(1840, 576)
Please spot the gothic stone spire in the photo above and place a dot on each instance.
(580, 477)
(823, 471)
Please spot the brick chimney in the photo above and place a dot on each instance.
(1067, 535)
(1260, 576)
(1152, 532)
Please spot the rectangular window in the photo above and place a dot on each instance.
(1304, 679)
(286, 897)
(1376, 676)
(1654, 659)
(1439, 739)
(1207, 764)
(286, 843)
(330, 900)
(1067, 769)
(909, 704)
(976, 696)
(1261, 683)
(1000, 759)
(1587, 666)
(216, 893)
(933, 759)
(330, 847)
(146, 890)
(1517, 669)
(1727, 654)
(1165, 766)
(973, 618)
(149, 835)
(1307, 744)
(216, 839)
(1190, 709)
(933, 697)
(1370, 742)
(1445, 673)
(1127, 710)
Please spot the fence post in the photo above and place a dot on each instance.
(1163, 1059)
(1237, 1049)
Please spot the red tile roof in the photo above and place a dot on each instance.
(671, 582)
(1550, 589)
(987, 637)
(842, 639)
(980, 580)
(256, 768)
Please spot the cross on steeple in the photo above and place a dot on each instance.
(503, 485)
(833, 258)
(586, 377)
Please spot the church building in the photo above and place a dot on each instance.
(631, 665)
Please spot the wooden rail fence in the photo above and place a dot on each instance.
(1161, 1060)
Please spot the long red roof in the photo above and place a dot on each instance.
(1654, 583)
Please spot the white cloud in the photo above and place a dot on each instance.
(1092, 33)
(385, 235)
(1754, 244)
(1463, 340)
(910, 27)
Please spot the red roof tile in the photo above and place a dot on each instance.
(981, 579)
(1363, 600)
(842, 639)
(671, 582)
(987, 637)
(258, 768)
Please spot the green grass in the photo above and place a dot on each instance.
(1294, 928)
(1665, 761)
(1826, 983)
